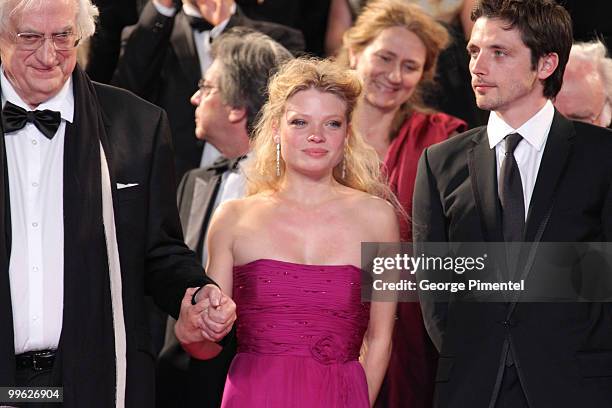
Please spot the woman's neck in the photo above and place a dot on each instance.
(374, 125)
(305, 190)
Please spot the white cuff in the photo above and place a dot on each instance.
(163, 10)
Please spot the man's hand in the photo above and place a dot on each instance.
(211, 318)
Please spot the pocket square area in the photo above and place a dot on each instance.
(121, 186)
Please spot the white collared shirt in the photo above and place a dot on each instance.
(202, 41)
(36, 266)
(529, 152)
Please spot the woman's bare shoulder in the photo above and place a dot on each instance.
(377, 213)
(368, 202)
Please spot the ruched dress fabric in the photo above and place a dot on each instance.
(299, 330)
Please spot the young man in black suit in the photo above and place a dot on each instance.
(529, 175)
(88, 221)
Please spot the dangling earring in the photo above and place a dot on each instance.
(277, 159)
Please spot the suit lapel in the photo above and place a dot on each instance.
(7, 351)
(554, 161)
(5, 205)
(184, 47)
(203, 193)
(483, 175)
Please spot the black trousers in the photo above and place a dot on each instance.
(28, 377)
(511, 394)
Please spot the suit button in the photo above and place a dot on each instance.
(157, 27)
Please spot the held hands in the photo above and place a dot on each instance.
(201, 325)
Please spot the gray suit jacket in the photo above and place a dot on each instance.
(184, 381)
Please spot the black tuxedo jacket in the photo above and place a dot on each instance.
(563, 352)
(154, 259)
(160, 63)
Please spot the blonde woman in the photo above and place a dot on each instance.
(394, 47)
(289, 252)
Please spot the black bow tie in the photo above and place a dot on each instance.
(15, 118)
(199, 24)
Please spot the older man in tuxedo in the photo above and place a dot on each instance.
(169, 50)
(88, 223)
(530, 175)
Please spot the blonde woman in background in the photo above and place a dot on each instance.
(289, 252)
(394, 47)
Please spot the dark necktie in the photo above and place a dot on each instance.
(513, 210)
(511, 193)
(199, 24)
(15, 118)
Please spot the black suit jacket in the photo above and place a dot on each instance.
(154, 259)
(105, 44)
(563, 352)
(185, 381)
(160, 63)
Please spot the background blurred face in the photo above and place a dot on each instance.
(39, 75)
(500, 64)
(312, 131)
(582, 95)
(391, 67)
(211, 113)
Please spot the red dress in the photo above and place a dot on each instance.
(410, 376)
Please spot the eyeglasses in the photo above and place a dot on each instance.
(33, 41)
(204, 88)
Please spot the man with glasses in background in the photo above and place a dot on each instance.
(88, 222)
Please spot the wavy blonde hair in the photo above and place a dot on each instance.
(362, 163)
(377, 16)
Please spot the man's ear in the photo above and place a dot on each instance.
(547, 65)
(235, 115)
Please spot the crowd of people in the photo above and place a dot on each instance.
(183, 209)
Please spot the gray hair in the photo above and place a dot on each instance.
(86, 16)
(248, 59)
(595, 52)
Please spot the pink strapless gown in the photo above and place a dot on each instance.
(299, 331)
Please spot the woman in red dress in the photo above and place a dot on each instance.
(394, 46)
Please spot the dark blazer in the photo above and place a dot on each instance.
(563, 352)
(105, 44)
(154, 259)
(184, 381)
(160, 63)
(196, 197)
(308, 16)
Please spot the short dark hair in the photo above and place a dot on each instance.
(545, 27)
(248, 60)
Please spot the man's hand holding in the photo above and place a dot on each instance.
(218, 315)
(211, 318)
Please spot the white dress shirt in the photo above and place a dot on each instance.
(529, 152)
(203, 47)
(36, 266)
